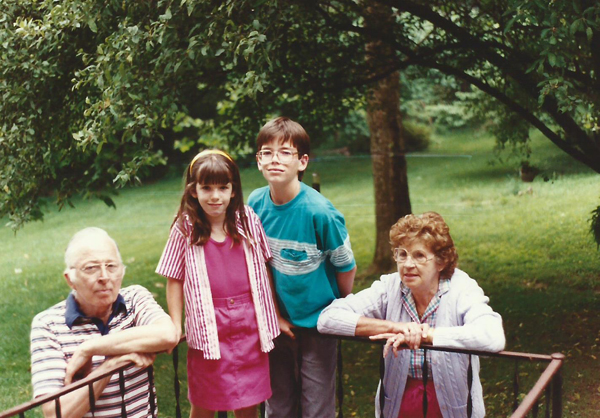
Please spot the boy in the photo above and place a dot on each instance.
(312, 265)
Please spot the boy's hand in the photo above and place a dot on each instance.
(286, 327)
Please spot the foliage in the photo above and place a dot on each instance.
(96, 93)
(432, 98)
(353, 135)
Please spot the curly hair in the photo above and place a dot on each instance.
(431, 229)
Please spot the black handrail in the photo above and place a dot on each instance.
(550, 381)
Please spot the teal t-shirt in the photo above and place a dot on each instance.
(310, 243)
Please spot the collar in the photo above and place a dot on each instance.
(443, 287)
(73, 313)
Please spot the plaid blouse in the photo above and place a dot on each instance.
(415, 369)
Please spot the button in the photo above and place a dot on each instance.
(231, 301)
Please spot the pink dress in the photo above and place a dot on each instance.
(241, 377)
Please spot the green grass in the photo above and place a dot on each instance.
(527, 244)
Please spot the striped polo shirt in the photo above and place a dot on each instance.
(182, 260)
(57, 332)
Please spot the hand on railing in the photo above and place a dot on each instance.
(410, 335)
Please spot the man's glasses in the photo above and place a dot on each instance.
(95, 269)
(283, 155)
(418, 257)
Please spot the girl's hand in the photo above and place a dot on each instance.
(286, 327)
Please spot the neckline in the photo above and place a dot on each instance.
(220, 243)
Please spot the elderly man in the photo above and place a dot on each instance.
(98, 327)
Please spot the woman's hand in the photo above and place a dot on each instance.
(409, 333)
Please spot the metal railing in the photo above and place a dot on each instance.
(549, 383)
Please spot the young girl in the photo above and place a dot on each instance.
(215, 259)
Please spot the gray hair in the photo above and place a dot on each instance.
(80, 237)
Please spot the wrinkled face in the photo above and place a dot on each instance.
(418, 267)
(280, 163)
(214, 200)
(96, 276)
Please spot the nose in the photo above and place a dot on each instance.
(276, 155)
(103, 272)
(409, 262)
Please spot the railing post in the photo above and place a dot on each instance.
(340, 382)
(381, 387)
(57, 408)
(557, 388)
(425, 379)
(516, 386)
(176, 380)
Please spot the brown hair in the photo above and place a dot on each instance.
(212, 168)
(432, 230)
(283, 129)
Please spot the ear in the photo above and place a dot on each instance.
(303, 162)
(258, 164)
(194, 193)
(68, 278)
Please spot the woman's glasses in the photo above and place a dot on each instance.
(418, 257)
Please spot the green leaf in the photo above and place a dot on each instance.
(92, 25)
(589, 32)
(552, 59)
(574, 26)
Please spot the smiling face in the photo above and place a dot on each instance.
(422, 279)
(95, 274)
(281, 173)
(214, 200)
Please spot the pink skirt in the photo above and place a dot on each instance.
(241, 377)
(412, 400)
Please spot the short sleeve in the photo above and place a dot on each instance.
(334, 238)
(48, 362)
(259, 235)
(146, 309)
(172, 261)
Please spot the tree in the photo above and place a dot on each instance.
(94, 90)
(390, 179)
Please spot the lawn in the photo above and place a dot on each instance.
(527, 244)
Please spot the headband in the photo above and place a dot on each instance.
(207, 152)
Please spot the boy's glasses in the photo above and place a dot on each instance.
(283, 155)
(418, 257)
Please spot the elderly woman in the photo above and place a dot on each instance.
(428, 300)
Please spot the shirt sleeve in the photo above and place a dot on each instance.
(334, 239)
(172, 261)
(341, 317)
(48, 362)
(146, 309)
(479, 328)
(259, 235)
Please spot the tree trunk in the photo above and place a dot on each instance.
(390, 178)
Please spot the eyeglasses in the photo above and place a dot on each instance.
(283, 155)
(418, 257)
(95, 269)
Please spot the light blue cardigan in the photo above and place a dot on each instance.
(464, 320)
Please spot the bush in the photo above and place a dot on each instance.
(417, 136)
